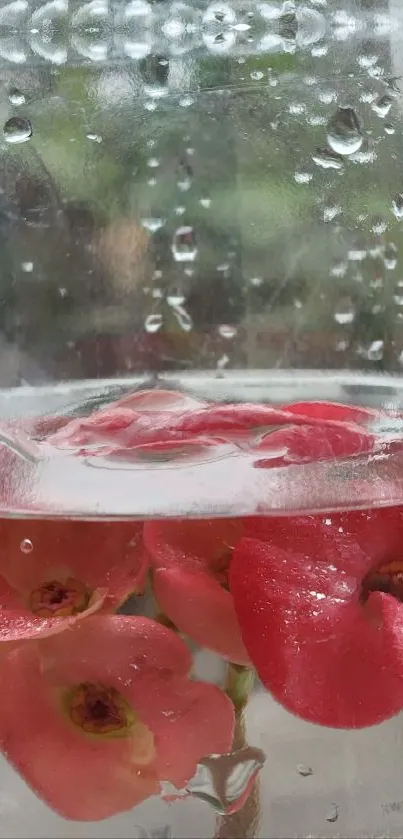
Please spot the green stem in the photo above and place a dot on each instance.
(243, 824)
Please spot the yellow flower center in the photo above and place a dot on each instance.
(59, 599)
(101, 711)
(98, 709)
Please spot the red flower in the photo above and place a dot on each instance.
(294, 444)
(333, 411)
(143, 423)
(319, 602)
(191, 560)
(155, 416)
(54, 573)
(95, 718)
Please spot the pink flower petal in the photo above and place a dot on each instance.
(187, 556)
(120, 646)
(322, 653)
(189, 719)
(332, 411)
(202, 609)
(307, 443)
(190, 542)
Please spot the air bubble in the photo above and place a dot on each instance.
(26, 546)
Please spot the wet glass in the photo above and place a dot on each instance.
(201, 418)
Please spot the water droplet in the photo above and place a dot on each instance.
(184, 248)
(302, 177)
(185, 175)
(389, 128)
(153, 162)
(382, 105)
(184, 319)
(256, 282)
(26, 546)
(205, 202)
(345, 313)
(28, 267)
(17, 130)
(186, 101)
(16, 97)
(304, 770)
(390, 256)
(330, 212)
(327, 159)
(153, 224)
(96, 138)
(180, 210)
(225, 781)
(256, 75)
(397, 206)
(375, 351)
(344, 134)
(227, 330)
(379, 225)
(339, 268)
(175, 298)
(222, 362)
(333, 814)
(153, 322)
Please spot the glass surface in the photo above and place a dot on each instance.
(201, 418)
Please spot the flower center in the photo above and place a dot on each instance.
(56, 599)
(388, 578)
(98, 709)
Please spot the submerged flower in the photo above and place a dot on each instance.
(191, 561)
(158, 416)
(320, 604)
(55, 572)
(94, 719)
